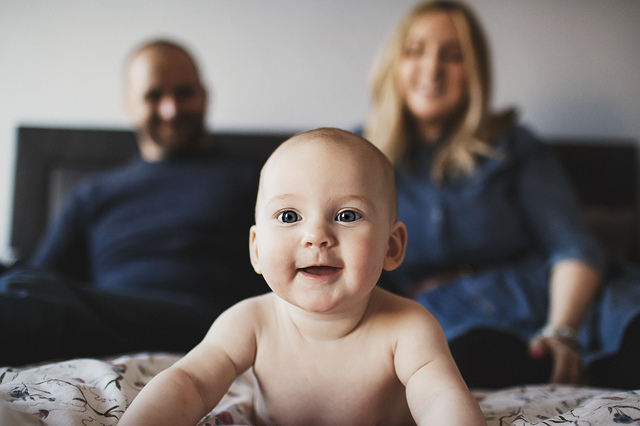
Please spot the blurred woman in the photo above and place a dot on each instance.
(497, 248)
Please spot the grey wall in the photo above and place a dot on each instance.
(571, 66)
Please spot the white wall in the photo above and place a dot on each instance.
(571, 66)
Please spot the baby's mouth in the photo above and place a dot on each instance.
(319, 270)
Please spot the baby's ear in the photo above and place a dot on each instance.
(253, 250)
(397, 247)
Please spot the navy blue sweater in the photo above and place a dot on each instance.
(176, 228)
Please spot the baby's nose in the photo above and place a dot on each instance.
(318, 235)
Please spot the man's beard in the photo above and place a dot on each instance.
(182, 134)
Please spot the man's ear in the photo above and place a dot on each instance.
(128, 107)
(397, 247)
(253, 250)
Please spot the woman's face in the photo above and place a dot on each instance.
(431, 75)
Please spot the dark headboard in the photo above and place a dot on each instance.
(604, 174)
(50, 161)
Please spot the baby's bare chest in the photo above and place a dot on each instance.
(347, 383)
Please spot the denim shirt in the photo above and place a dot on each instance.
(517, 202)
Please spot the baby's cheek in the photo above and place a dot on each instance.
(276, 266)
(367, 267)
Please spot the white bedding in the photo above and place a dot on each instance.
(96, 392)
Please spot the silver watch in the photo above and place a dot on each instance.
(564, 333)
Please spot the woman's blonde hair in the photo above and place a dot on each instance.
(389, 124)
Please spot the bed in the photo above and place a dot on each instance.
(96, 392)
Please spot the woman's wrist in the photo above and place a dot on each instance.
(563, 333)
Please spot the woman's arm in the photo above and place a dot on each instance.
(552, 213)
(573, 286)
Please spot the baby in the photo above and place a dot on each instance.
(326, 346)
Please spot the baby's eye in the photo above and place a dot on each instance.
(288, 217)
(348, 216)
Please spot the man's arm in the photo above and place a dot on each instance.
(436, 392)
(63, 248)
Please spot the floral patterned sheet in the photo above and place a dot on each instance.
(96, 392)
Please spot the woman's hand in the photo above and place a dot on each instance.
(572, 289)
(566, 358)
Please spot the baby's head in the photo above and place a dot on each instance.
(333, 154)
(326, 218)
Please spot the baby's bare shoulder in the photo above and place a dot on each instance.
(416, 334)
(252, 307)
(235, 332)
(399, 308)
(404, 321)
(245, 317)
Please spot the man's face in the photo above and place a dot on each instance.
(165, 100)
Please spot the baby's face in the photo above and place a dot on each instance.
(324, 217)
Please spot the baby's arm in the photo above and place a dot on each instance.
(436, 392)
(193, 386)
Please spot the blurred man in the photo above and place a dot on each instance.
(157, 246)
